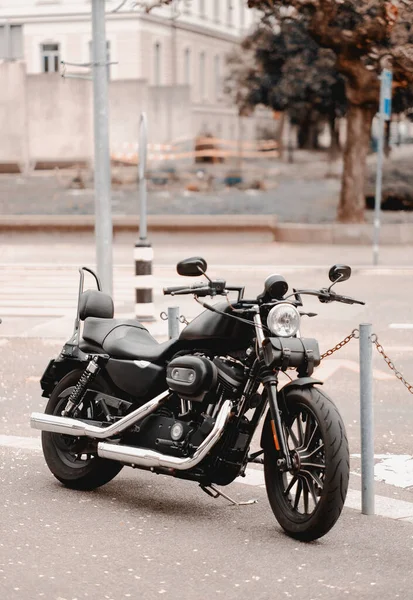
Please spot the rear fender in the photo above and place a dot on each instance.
(55, 371)
(300, 382)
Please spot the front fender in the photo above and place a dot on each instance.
(300, 382)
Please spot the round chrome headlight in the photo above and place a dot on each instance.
(284, 320)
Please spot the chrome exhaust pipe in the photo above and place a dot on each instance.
(69, 426)
(142, 457)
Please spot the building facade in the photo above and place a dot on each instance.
(182, 45)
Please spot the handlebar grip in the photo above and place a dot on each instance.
(348, 300)
(171, 290)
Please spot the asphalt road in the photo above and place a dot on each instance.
(148, 536)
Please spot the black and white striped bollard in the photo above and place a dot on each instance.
(143, 252)
(144, 306)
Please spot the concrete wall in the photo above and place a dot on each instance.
(13, 134)
(127, 100)
(169, 113)
(47, 119)
(59, 118)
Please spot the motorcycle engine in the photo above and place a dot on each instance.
(198, 387)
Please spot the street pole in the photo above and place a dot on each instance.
(366, 421)
(102, 176)
(143, 252)
(386, 78)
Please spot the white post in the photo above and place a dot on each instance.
(173, 322)
(103, 214)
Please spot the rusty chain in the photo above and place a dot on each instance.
(354, 334)
(374, 339)
(390, 364)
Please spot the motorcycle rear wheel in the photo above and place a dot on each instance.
(69, 458)
(308, 500)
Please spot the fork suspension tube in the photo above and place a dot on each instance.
(270, 383)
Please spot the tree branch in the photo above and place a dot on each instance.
(148, 6)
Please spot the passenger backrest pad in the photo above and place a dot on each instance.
(95, 304)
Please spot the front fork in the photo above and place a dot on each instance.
(280, 442)
(270, 382)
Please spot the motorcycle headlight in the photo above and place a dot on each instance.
(283, 320)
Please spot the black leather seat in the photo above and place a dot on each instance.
(126, 339)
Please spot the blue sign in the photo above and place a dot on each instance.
(386, 93)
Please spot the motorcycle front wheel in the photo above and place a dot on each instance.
(73, 460)
(308, 499)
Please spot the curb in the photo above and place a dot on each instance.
(170, 223)
(301, 233)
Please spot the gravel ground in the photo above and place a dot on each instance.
(299, 193)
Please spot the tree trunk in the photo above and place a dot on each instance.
(352, 199)
(335, 146)
(308, 135)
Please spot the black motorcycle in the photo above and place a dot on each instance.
(189, 407)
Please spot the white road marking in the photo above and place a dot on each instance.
(384, 507)
(20, 442)
(393, 469)
(401, 326)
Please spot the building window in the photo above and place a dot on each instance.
(202, 76)
(157, 64)
(217, 76)
(229, 13)
(11, 41)
(217, 7)
(50, 58)
(107, 56)
(187, 66)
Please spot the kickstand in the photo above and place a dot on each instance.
(214, 492)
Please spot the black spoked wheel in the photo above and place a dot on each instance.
(73, 460)
(308, 499)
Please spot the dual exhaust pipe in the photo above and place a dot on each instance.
(139, 457)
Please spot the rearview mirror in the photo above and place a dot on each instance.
(339, 273)
(192, 267)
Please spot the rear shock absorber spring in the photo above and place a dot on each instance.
(76, 397)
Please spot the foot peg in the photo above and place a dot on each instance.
(214, 492)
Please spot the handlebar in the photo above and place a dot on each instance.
(344, 299)
(197, 290)
(325, 296)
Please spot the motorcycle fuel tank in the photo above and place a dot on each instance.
(212, 326)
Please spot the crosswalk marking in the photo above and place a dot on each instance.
(52, 291)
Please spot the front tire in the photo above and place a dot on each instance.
(71, 459)
(308, 500)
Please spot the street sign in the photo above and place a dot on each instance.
(386, 93)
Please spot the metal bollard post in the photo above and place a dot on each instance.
(173, 322)
(366, 421)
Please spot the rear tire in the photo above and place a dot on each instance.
(68, 457)
(308, 500)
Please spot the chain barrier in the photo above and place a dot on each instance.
(374, 339)
(354, 334)
(181, 318)
(390, 364)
